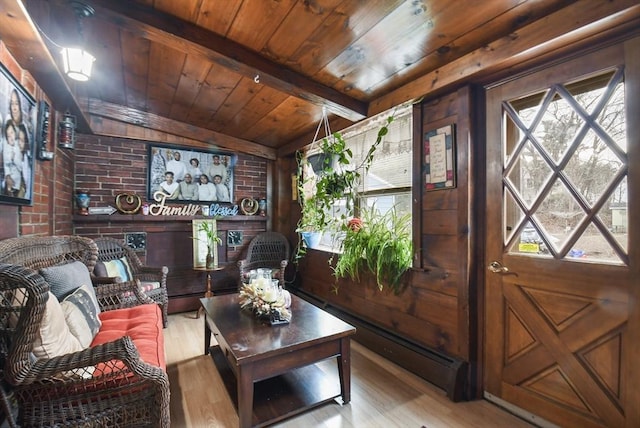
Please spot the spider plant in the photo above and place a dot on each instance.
(379, 244)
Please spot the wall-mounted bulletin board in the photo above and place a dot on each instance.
(440, 158)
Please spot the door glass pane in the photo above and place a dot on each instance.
(565, 172)
(558, 128)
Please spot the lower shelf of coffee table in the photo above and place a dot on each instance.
(287, 395)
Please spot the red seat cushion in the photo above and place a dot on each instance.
(143, 324)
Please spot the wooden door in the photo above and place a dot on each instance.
(561, 323)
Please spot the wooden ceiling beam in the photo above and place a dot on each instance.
(187, 37)
(102, 114)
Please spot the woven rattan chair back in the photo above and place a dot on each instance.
(267, 250)
(104, 385)
(112, 249)
(37, 252)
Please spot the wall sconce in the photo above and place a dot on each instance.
(77, 62)
(42, 134)
(67, 132)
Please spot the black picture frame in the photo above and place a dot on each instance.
(17, 119)
(159, 163)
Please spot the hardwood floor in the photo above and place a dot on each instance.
(383, 394)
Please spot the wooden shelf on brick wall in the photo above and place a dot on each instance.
(169, 243)
(123, 218)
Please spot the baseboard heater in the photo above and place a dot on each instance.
(444, 371)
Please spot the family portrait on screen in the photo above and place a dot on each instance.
(17, 119)
(188, 175)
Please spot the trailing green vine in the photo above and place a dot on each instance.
(380, 244)
(318, 193)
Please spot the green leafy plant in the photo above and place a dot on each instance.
(337, 179)
(211, 232)
(379, 244)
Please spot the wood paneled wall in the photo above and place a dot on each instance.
(434, 310)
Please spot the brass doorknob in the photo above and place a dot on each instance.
(496, 267)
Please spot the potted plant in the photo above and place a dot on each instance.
(379, 244)
(337, 179)
(211, 239)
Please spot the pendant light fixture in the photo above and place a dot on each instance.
(77, 62)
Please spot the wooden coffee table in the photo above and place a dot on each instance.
(278, 362)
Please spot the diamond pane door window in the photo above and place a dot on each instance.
(565, 171)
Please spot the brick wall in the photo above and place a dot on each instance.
(42, 217)
(107, 166)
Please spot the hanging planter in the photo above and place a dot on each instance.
(312, 239)
(337, 179)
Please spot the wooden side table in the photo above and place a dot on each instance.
(209, 292)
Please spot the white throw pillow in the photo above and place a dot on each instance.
(54, 337)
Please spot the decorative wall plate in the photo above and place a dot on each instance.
(234, 237)
(249, 206)
(136, 240)
(128, 203)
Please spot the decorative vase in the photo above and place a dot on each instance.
(262, 206)
(83, 198)
(210, 263)
(311, 239)
(212, 257)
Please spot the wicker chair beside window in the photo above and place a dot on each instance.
(110, 249)
(266, 250)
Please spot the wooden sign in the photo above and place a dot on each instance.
(215, 210)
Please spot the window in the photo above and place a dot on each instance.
(388, 182)
(565, 172)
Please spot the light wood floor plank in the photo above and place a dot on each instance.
(383, 395)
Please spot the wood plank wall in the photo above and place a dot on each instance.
(434, 310)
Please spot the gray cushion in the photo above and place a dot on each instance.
(81, 315)
(100, 270)
(65, 279)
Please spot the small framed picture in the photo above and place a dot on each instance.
(439, 158)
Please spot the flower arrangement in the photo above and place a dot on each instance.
(266, 301)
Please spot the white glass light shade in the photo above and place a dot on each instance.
(77, 63)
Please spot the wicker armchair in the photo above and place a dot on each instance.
(266, 250)
(111, 249)
(103, 385)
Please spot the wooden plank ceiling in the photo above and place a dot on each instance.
(254, 75)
